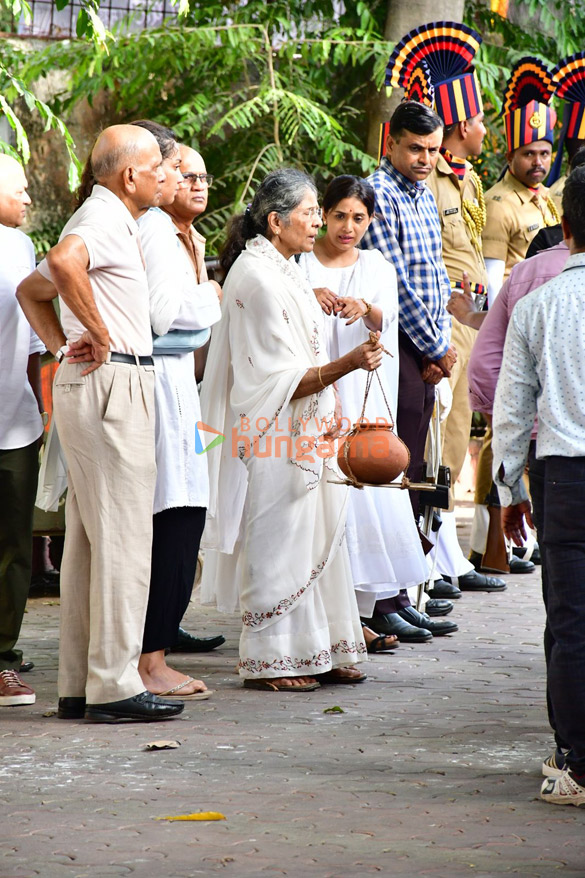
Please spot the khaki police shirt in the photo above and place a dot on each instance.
(514, 216)
(556, 193)
(459, 253)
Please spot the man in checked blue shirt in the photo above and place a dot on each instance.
(406, 229)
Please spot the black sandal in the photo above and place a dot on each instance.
(377, 644)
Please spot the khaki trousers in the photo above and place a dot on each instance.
(457, 426)
(106, 426)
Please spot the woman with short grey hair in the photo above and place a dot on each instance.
(275, 528)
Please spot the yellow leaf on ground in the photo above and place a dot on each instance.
(199, 815)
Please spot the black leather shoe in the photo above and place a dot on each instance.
(71, 708)
(475, 581)
(144, 707)
(188, 643)
(438, 607)
(421, 620)
(391, 623)
(517, 565)
(25, 667)
(446, 590)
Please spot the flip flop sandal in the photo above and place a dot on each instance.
(377, 645)
(267, 685)
(175, 692)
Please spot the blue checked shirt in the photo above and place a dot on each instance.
(406, 229)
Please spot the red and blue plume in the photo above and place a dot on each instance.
(569, 79)
(446, 47)
(420, 87)
(530, 80)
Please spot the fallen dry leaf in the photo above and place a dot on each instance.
(162, 745)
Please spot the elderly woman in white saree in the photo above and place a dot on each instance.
(274, 520)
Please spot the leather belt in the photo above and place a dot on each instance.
(130, 359)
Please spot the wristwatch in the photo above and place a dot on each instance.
(368, 308)
(59, 355)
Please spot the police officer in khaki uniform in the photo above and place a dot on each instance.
(519, 205)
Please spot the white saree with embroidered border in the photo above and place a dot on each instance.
(275, 530)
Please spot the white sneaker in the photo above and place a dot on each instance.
(563, 790)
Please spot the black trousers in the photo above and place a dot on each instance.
(19, 468)
(560, 512)
(536, 475)
(415, 407)
(175, 544)
(392, 605)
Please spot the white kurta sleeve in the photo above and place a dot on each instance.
(164, 271)
(495, 272)
(199, 309)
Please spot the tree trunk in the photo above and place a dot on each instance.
(402, 17)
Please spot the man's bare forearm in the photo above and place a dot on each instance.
(33, 371)
(68, 262)
(35, 295)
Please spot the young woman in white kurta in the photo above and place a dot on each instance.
(383, 542)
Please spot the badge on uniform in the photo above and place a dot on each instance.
(533, 228)
(450, 211)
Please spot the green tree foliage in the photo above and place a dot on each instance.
(262, 83)
(253, 86)
(15, 95)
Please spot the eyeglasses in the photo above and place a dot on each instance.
(313, 211)
(206, 179)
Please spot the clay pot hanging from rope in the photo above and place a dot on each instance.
(372, 454)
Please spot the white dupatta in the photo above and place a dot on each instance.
(267, 339)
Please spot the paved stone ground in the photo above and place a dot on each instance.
(432, 770)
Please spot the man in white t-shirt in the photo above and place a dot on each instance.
(103, 403)
(21, 426)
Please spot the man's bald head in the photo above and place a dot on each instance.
(13, 195)
(116, 148)
(189, 155)
(126, 159)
